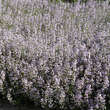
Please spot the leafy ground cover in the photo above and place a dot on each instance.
(55, 55)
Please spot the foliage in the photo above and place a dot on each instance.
(75, 1)
(55, 56)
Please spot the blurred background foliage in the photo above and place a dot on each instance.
(75, 1)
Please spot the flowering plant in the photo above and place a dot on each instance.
(55, 56)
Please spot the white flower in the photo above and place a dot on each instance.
(62, 96)
(2, 75)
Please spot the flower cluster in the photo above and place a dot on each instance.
(54, 55)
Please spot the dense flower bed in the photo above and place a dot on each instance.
(55, 56)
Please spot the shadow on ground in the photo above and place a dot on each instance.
(12, 107)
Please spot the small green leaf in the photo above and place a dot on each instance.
(9, 26)
(26, 11)
(43, 28)
(22, 73)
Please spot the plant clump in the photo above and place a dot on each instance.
(58, 58)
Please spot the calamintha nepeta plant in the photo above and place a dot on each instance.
(56, 56)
